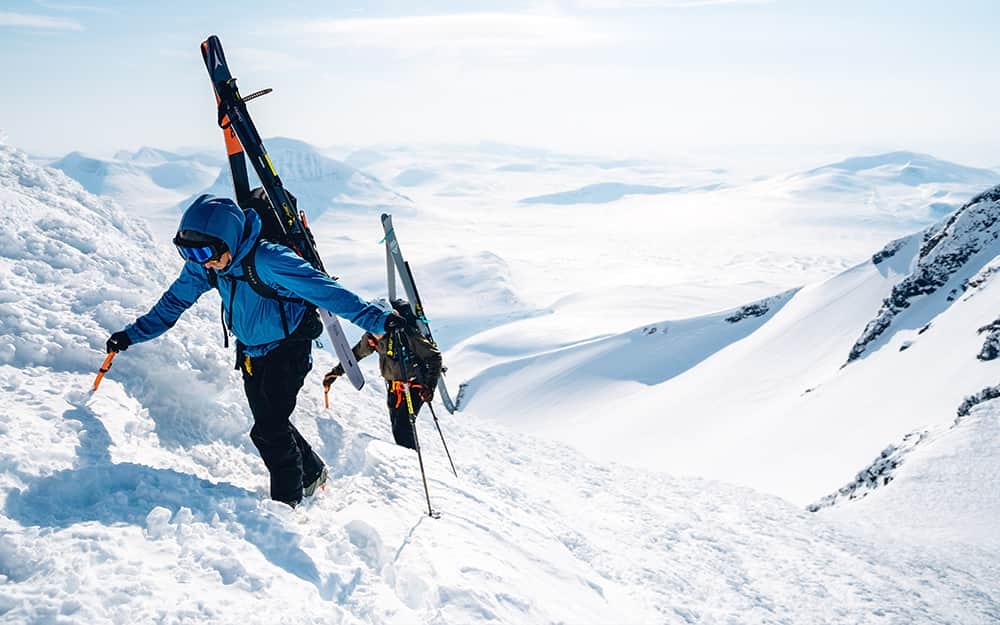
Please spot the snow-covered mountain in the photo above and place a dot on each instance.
(321, 183)
(771, 406)
(150, 174)
(145, 501)
(149, 183)
(895, 186)
(909, 168)
(154, 156)
(157, 185)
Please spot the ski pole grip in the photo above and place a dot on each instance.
(105, 367)
(326, 397)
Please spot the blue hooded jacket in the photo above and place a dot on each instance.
(256, 320)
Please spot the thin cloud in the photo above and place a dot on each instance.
(474, 30)
(79, 8)
(40, 22)
(662, 4)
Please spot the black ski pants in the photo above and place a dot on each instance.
(399, 416)
(272, 383)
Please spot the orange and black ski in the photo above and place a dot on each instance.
(244, 142)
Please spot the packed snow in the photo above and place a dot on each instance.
(588, 376)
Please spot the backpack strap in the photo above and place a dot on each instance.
(252, 277)
(213, 281)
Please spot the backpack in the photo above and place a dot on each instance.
(271, 231)
(406, 312)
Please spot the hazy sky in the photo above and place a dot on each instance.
(635, 77)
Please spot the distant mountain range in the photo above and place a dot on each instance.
(158, 175)
(859, 175)
(909, 169)
(158, 184)
(321, 183)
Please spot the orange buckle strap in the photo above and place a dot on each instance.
(399, 388)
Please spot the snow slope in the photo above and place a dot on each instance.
(931, 484)
(145, 502)
(772, 408)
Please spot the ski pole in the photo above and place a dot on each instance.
(104, 369)
(404, 365)
(438, 426)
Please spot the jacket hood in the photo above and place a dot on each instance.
(223, 219)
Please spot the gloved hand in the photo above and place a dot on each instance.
(330, 378)
(426, 394)
(394, 322)
(118, 342)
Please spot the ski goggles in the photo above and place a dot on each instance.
(199, 248)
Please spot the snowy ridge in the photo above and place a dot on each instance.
(527, 384)
(879, 473)
(890, 250)
(75, 268)
(758, 308)
(65, 256)
(909, 168)
(888, 466)
(958, 247)
(987, 394)
(884, 191)
(155, 156)
(930, 485)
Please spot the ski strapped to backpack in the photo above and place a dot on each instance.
(244, 142)
(409, 286)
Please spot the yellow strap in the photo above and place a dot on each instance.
(247, 366)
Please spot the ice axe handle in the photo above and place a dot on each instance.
(104, 369)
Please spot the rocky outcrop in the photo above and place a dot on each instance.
(876, 475)
(946, 249)
(988, 393)
(759, 308)
(889, 250)
(880, 472)
(991, 346)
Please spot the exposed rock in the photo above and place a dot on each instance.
(991, 346)
(889, 250)
(981, 278)
(988, 393)
(945, 250)
(757, 309)
(880, 472)
(875, 475)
